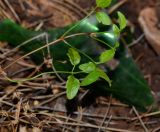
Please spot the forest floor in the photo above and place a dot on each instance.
(19, 111)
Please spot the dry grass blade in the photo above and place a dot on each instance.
(141, 121)
(105, 116)
(12, 10)
(116, 6)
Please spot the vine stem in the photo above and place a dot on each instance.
(63, 37)
(41, 74)
(79, 22)
(49, 44)
(73, 69)
(80, 51)
(92, 36)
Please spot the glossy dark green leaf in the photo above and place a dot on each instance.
(103, 18)
(103, 3)
(72, 86)
(128, 84)
(16, 35)
(108, 37)
(74, 56)
(90, 78)
(87, 67)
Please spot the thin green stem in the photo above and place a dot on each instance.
(54, 69)
(73, 69)
(42, 47)
(44, 73)
(70, 29)
(101, 41)
(80, 51)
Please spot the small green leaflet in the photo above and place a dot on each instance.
(90, 78)
(94, 76)
(74, 56)
(122, 20)
(103, 3)
(103, 18)
(87, 67)
(116, 30)
(72, 86)
(107, 55)
(117, 44)
(103, 75)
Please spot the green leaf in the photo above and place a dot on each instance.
(103, 3)
(103, 18)
(122, 20)
(87, 67)
(72, 86)
(107, 55)
(103, 75)
(129, 84)
(116, 30)
(117, 45)
(74, 56)
(90, 78)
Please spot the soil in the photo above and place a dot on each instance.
(37, 106)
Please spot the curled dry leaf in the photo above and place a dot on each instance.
(148, 21)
